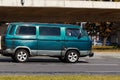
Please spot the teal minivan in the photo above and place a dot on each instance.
(66, 42)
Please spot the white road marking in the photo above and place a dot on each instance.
(102, 71)
(87, 64)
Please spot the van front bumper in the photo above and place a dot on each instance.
(86, 53)
(91, 54)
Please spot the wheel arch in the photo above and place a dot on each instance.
(75, 49)
(23, 47)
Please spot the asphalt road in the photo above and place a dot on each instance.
(100, 64)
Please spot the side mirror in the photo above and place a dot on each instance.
(79, 36)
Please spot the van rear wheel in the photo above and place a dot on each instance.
(21, 55)
(72, 56)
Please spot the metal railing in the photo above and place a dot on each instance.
(92, 0)
(61, 3)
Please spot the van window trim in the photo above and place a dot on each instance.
(50, 27)
(26, 26)
(12, 29)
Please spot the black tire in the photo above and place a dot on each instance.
(72, 56)
(21, 55)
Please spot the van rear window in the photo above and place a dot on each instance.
(12, 29)
(49, 31)
(26, 30)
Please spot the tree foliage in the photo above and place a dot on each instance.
(102, 29)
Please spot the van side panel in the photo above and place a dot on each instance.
(82, 44)
(8, 37)
(15, 40)
(25, 41)
(49, 45)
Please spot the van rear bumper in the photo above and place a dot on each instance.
(5, 53)
(1, 51)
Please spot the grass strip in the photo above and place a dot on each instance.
(62, 77)
(105, 49)
(114, 51)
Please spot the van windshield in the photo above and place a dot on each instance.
(84, 32)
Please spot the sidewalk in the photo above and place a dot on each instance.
(107, 54)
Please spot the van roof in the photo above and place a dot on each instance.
(45, 24)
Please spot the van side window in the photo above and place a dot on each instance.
(26, 30)
(72, 32)
(12, 29)
(49, 31)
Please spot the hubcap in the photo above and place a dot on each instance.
(22, 56)
(72, 57)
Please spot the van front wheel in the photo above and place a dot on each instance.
(21, 55)
(72, 56)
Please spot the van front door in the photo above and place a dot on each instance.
(73, 39)
(49, 41)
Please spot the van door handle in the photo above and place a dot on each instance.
(66, 41)
(58, 40)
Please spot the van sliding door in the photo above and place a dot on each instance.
(49, 41)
